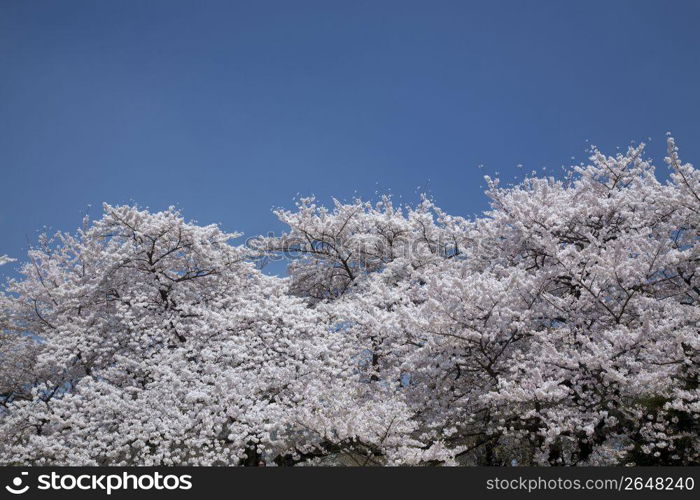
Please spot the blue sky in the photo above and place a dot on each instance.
(227, 109)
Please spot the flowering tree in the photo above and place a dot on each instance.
(159, 344)
(561, 327)
(565, 318)
(609, 366)
(154, 341)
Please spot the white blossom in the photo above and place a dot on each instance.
(560, 327)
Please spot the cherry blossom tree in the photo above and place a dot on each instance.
(145, 339)
(560, 327)
(156, 343)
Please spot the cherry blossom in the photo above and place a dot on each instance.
(560, 327)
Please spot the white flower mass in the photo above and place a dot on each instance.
(562, 326)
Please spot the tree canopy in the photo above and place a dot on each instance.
(560, 327)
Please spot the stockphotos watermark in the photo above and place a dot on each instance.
(106, 483)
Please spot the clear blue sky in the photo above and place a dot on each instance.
(229, 108)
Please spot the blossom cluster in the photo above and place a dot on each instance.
(560, 327)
